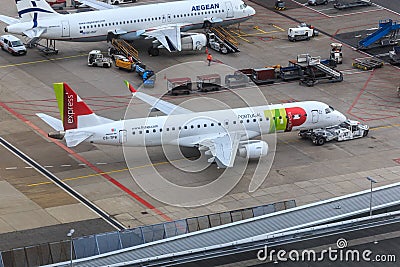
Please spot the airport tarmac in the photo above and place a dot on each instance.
(301, 171)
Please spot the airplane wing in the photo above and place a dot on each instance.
(8, 20)
(97, 5)
(169, 36)
(222, 148)
(75, 138)
(164, 106)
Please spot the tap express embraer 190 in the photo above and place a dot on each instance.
(222, 134)
(166, 23)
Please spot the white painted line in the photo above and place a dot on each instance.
(101, 163)
(49, 166)
(355, 13)
(82, 164)
(11, 168)
(28, 167)
(387, 9)
(65, 165)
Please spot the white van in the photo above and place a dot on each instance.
(12, 45)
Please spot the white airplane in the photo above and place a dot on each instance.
(222, 134)
(163, 22)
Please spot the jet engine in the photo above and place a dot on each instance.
(253, 149)
(193, 41)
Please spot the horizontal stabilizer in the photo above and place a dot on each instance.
(35, 32)
(97, 4)
(74, 138)
(54, 123)
(8, 20)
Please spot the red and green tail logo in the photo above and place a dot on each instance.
(70, 106)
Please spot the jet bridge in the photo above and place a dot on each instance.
(238, 236)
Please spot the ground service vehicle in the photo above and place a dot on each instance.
(301, 33)
(12, 44)
(317, 2)
(211, 82)
(124, 64)
(347, 130)
(178, 86)
(341, 5)
(336, 52)
(96, 59)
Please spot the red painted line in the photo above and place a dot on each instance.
(397, 160)
(89, 164)
(361, 92)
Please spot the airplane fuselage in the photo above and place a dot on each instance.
(190, 129)
(131, 22)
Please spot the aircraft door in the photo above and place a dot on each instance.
(229, 9)
(122, 136)
(65, 28)
(314, 116)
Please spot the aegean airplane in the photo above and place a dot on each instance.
(165, 23)
(221, 134)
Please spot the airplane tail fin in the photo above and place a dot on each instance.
(74, 112)
(32, 10)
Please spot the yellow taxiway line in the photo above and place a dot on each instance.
(109, 172)
(40, 61)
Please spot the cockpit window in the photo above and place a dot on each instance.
(329, 110)
(243, 6)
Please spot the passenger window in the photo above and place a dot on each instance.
(260, 119)
(133, 133)
(179, 128)
(212, 124)
(140, 132)
(254, 120)
(198, 125)
(234, 122)
(147, 131)
(185, 127)
(173, 128)
(167, 129)
(154, 130)
(227, 122)
(241, 121)
(248, 121)
(219, 124)
(191, 126)
(160, 130)
(205, 125)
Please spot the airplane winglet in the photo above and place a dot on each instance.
(130, 87)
